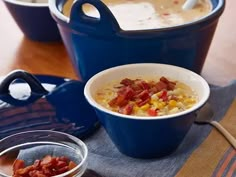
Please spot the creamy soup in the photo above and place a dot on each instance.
(146, 97)
(149, 14)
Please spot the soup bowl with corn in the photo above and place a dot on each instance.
(146, 109)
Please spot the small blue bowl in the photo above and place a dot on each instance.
(34, 20)
(147, 137)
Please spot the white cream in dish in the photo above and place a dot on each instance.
(149, 14)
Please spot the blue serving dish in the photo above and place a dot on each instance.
(97, 44)
(40, 102)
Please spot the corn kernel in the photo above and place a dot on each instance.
(190, 100)
(153, 101)
(154, 104)
(161, 105)
(174, 110)
(145, 107)
(172, 103)
(189, 106)
(135, 108)
(180, 97)
(180, 105)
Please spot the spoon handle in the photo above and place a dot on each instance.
(227, 135)
(189, 4)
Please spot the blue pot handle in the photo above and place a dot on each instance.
(37, 90)
(105, 25)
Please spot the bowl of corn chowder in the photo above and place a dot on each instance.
(103, 34)
(146, 109)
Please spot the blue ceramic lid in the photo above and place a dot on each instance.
(41, 102)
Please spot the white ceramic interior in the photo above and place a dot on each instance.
(195, 81)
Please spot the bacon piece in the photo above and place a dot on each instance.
(161, 86)
(48, 171)
(48, 166)
(23, 171)
(64, 158)
(144, 95)
(61, 164)
(18, 164)
(63, 170)
(37, 164)
(165, 80)
(46, 160)
(170, 85)
(142, 84)
(127, 82)
(128, 109)
(71, 165)
(118, 101)
(127, 92)
(142, 102)
(121, 100)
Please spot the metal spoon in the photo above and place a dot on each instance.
(205, 115)
(189, 4)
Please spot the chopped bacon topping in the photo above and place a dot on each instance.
(127, 109)
(127, 82)
(48, 166)
(139, 92)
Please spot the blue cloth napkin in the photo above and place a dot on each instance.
(30, 154)
(105, 159)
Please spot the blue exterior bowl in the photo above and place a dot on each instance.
(97, 44)
(34, 20)
(147, 137)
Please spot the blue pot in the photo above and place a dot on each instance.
(96, 44)
(34, 20)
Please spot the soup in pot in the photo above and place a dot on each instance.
(149, 14)
(146, 97)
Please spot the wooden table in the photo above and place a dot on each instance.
(17, 52)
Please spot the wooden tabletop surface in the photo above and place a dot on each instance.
(18, 52)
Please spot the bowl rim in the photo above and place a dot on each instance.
(29, 4)
(217, 10)
(197, 106)
(77, 140)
